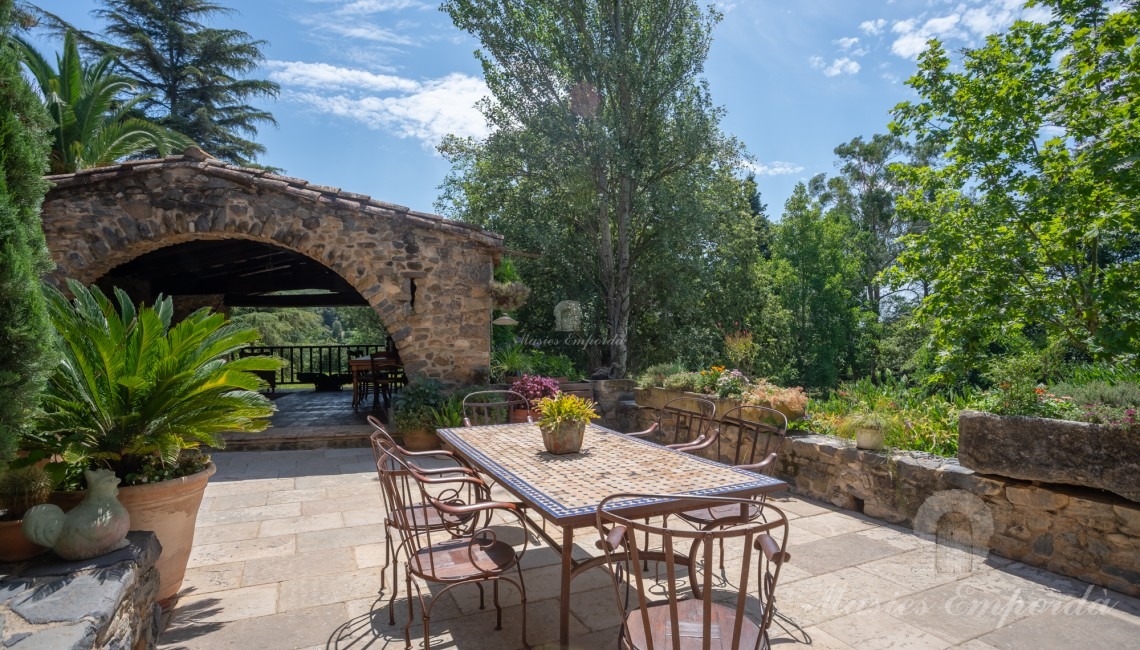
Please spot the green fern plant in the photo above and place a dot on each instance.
(133, 392)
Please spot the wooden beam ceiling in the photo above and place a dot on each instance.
(246, 272)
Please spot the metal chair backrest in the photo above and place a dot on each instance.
(420, 505)
(381, 440)
(687, 552)
(760, 434)
(492, 407)
(690, 422)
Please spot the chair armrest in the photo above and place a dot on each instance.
(470, 508)
(771, 549)
(638, 434)
(612, 540)
(761, 465)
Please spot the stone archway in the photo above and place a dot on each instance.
(428, 278)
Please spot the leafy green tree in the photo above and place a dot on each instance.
(94, 125)
(23, 254)
(1032, 208)
(818, 278)
(610, 97)
(192, 75)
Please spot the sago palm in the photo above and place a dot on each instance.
(96, 121)
(132, 391)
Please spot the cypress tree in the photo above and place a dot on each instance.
(24, 328)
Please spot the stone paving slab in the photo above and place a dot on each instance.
(290, 546)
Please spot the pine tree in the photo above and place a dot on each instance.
(192, 72)
(24, 326)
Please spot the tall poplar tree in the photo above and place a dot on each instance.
(612, 92)
(24, 328)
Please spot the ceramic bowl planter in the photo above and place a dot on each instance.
(564, 437)
(870, 439)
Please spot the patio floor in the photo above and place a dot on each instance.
(289, 547)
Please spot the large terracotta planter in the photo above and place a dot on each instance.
(420, 440)
(564, 438)
(170, 510)
(14, 547)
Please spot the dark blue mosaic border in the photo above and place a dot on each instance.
(559, 511)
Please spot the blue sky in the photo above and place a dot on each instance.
(368, 87)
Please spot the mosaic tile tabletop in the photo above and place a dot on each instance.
(572, 485)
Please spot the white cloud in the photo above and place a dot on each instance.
(847, 42)
(365, 7)
(425, 110)
(368, 32)
(774, 168)
(873, 27)
(839, 66)
(962, 24)
(325, 76)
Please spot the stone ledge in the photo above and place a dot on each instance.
(104, 602)
(1085, 533)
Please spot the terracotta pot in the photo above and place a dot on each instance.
(170, 510)
(870, 439)
(14, 547)
(518, 416)
(420, 440)
(564, 438)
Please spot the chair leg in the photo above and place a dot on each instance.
(408, 625)
(480, 586)
(522, 601)
(498, 608)
(392, 598)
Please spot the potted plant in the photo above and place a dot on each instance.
(449, 415)
(563, 422)
(870, 429)
(413, 416)
(533, 388)
(20, 490)
(139, 395)
(510, 362)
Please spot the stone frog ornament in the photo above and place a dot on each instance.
(98, 525)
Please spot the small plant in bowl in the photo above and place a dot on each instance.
(870, 429)
(563, 422)
(413, 416)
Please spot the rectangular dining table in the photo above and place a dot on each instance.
(565, 490)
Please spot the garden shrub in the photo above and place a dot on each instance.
(682, 381)
(24, 327)
(655, 375)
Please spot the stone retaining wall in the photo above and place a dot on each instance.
(1087, 534)
(102, 603)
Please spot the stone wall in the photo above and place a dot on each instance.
(107, 602)
(1087, 534)
(427, 277)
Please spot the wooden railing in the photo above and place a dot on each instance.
(323, 359)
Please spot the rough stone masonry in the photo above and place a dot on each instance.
(427, 277)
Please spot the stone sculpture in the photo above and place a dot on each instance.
(98, 525)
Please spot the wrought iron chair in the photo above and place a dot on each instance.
(690, 421)
(760, 434)
(420, 514)
(714, 616)
(493, 407)
(472, 554)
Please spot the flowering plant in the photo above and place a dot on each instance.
(731, 384)
(709, 379)
(535, 387)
